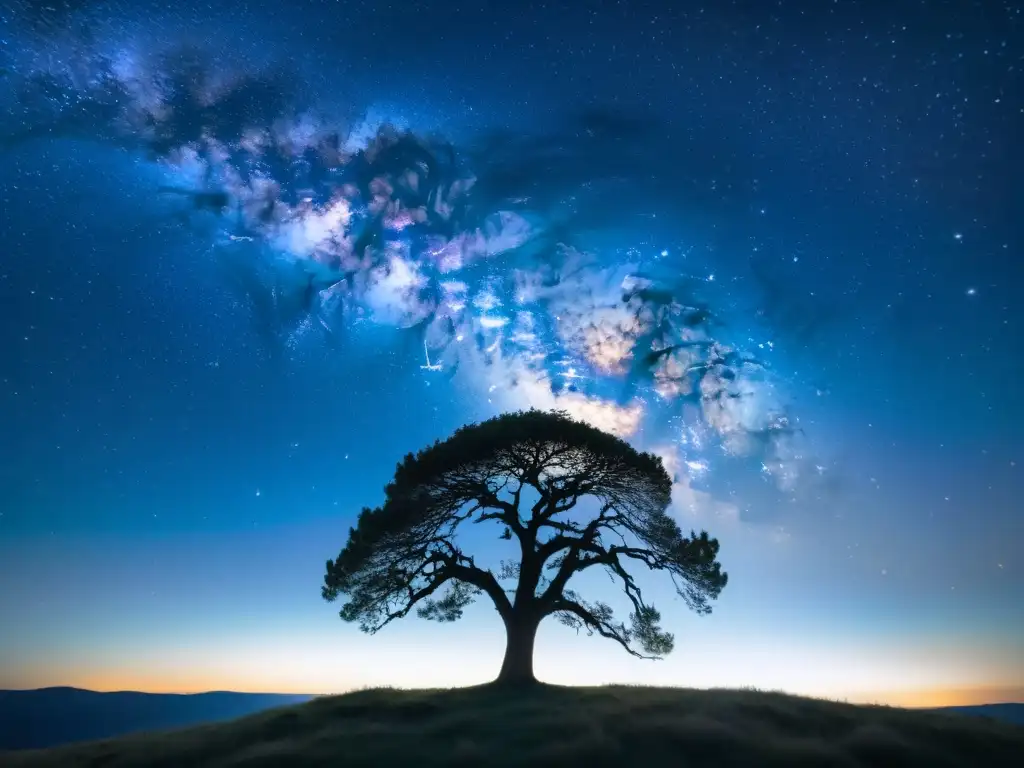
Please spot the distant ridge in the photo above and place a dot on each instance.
(1008, 713)
(47, 717)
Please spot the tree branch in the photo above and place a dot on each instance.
(414, 597)
(572, 563)
(600, 624)
(484, 581)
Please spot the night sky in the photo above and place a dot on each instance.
(251, 256)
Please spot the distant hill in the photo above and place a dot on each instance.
(554, 726)
(47, 717)
(1008, 713)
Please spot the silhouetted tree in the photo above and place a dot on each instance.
(527, 472)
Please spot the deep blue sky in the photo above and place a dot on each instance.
(837, 181)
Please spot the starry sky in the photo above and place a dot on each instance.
(251, 255)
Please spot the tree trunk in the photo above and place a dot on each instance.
(517, 668)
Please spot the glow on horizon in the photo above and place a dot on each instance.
(172, 683)
(282, 638)
(328, 662)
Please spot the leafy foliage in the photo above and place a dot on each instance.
(526, 471)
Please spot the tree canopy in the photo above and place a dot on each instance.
(525, 472)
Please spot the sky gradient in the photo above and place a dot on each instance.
(189, 429)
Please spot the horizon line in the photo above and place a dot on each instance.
(1016, 697)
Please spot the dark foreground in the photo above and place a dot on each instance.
(554, 726)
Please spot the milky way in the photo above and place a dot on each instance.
(252, 253)
(325, 224)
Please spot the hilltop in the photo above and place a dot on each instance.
(556, 726)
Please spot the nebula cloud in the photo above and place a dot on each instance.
(328, 224)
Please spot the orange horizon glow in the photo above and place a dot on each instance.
(157, 684)
(325, 661)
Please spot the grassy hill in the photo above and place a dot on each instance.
(555, 726)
